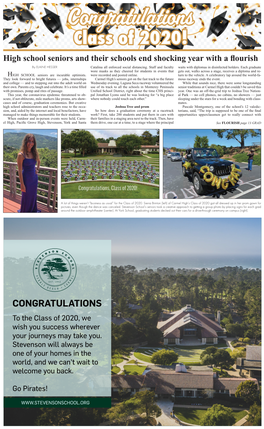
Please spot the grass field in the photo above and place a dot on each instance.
(152, 155)
(115, 370)
(242, 157)
(187, 355)
(132, 369)
(116, 189)
(152, 159)
(108, 190)
(116, 359)
(193, 415)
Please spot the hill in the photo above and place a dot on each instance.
(13, 141)
(237, 154)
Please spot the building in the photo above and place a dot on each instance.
(145, 149)
(111, 149)
(108, 148)
(171, 384)
(187, 325)
(252, 362)
(118, 319)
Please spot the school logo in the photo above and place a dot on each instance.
(54, 270)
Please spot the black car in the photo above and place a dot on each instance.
(208, 171)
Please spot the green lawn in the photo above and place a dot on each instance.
(65, 157)
(109, 190)
(193, 415)
(115, 370)
(187, 355)
(130, 369)
(242, 157)
(152, 155)
(116, 359)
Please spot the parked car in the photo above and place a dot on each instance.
(175, 156)
(169, 154)
(208, 172)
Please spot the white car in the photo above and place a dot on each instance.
(176, 156)
(168, 154)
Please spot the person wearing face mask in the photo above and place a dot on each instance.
(28, 167)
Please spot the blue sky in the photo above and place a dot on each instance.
(179, 237)
(50, 133)
(105, 134)
(184, 139)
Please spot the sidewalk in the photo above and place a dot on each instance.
(166, 406)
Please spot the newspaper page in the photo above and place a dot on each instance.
(131, 213)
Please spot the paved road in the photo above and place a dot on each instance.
(175, 184)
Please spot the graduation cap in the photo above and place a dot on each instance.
(100, 7)
(9, 14)
(23, 40)
(92, 30)
(242, 6)
(258, 18)
(202, 6)
(28, 5)
(6, 33)
(126, 7)
(172, 46)
(218, 25)
(247, 42)
(175, 7)
(246, 18)
(52, 21)
(24, 14)
(68, 4)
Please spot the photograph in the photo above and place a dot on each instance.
(109, 164)
(185, 319)
(220, 163)
(30, 171)
(132, 225)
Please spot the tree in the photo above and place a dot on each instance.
(122, 307)
(66, 417)
(55, 264)
(207, 357)
(146, 138)
(248, 391)
(218, 148)
(253, 315)
(164, 357)
(70, 143)
(80, 139)
(201, 141)
(218, 357)
(129, 142)
(63, 144)
(238, 352)
(128, 332)
(85, 141)
(145, 402)
(238, 135)
(223, 359)
(235, 329)
(121, 412)
(141, 402)
(254, 415)
(153, 336)
(218, 415)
